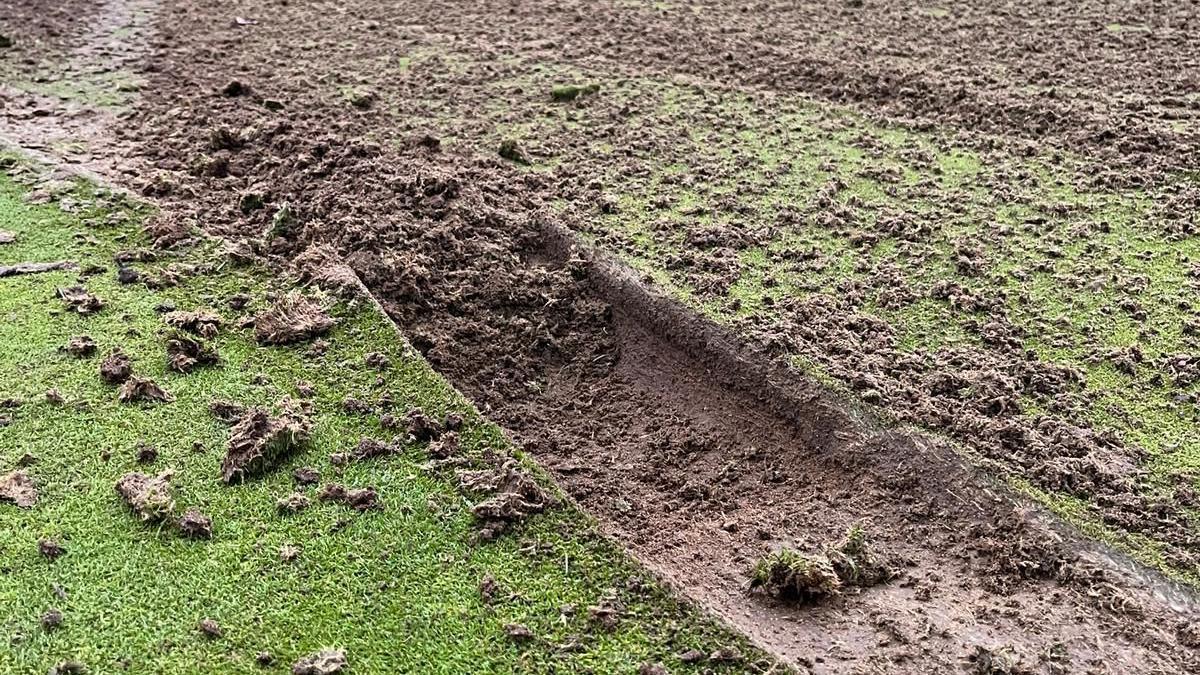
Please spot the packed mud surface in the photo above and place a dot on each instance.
(432, 150)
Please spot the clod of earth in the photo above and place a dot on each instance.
(209, 628)
(34, 268)
(226, 412)
(127, 275)
(81, 346)
(515, 496)
(293, 318)
(50, 550)
(18, 488)
(320, 264)
(306, 475)
(999, 661)
(55, 396)
(607, 613)
(68, 668)
(79, 300)
(856, 563)
(195, 525)
(511, 150)
(791, 575)
(421, 427)
(324, 662)
(234, 88)
(517, 632)
(148, 496)
(137, 389)
(653, 669)
(359, 499)
(570, 92)
(205, 323)
(52, 620)
(7, 237)
(377, 361)
(264, 659)
(259, 440)
(145, 453)
(116, 368)
(288, 553)
(361, 98)
(293, 503)
(185, 354)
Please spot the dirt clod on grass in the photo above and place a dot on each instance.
(515, 495)
(185, 354)
(148, 496)
(259, 439)
(140, 389)
(80, 346)
(18, 488)
(324, 662)
(359, 499)
(293, 318)
(518, 633)
(68, 668)
(293, 503)
(306, 475)
(7, 237)
(34, 268)
(79, 300)
(195, 525)
(204, 323)
(116, 368)
(421, 427)
(50, 550)
(145, 453)
(209, 628)
(226, 412)
(653, 669)
(52, 620)
(791, 575)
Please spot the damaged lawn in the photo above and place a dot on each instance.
(178, 497)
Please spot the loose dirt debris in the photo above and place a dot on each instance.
(293, 503)
(204, 323)
(50, 550)
(52, 620)
(195, 525)
(513, 496)
(149, 497)
(185, 354)
(79, 300)
(324, 662)
(359, 499)
(16, 487)
(34, 268)
(210, 629)
(81, 346)
(258, 439)
(293, 318)
(227, 412)
(7, 237)
(116, 368)
(139, 389)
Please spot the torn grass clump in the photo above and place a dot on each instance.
(148, 496)
(570, 92)
(258, 440)
(788, 574)
(293, 318)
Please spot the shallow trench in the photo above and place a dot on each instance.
(699, 456)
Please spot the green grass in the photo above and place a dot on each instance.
(397, 589)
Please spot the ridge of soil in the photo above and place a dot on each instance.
(659, 434)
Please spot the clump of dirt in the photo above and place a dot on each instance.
(81, 346)
(50, 550)
(306, 475)
(377, 361)
(293, 503)
(258, 440)
(69, 667)
(514, 496)
(145, 453)
(148, 496)
(52, 620)
(195, 525)
(788, 574)
(1020, 547)
(1000, 661)
(370, 448)
(293, 318)
(18, 488)
(116, 367)
(320, 264)
(7, 237)
(359, 499)
(570, 92)
(324, 662)
(79, 300)
(226, 412)
(185, 354)
(34, 268)
(137, 389)
(209, 628)
(204, 323)
(421, 427)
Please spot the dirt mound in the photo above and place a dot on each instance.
(139, 389)
(324, 662)
(78, 299)
(150, 497)
(293, 318)
(116, 368)
(513, 495)
(258, 440)
(204, 323)
(18, 488)
(185, 354)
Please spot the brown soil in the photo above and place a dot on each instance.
(147, 496)
(18, 488)
(293, 318)
(258, 440)
(139, 389)
(78, 299)
(34, 268)
(116, 368)
(695, 452)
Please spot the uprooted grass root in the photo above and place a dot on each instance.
(788, 574)
(258, 440)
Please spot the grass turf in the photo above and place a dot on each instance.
(398, 589)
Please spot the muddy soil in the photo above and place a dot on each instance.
(692, 450)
